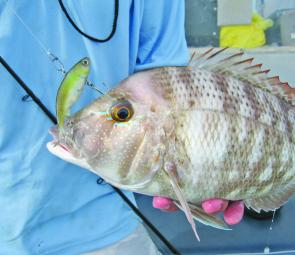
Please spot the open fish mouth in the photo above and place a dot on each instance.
(58, 149)
(54, 132)
(62, 151)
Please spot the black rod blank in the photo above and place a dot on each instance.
(28, 91)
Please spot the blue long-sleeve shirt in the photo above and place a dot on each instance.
(48, 206)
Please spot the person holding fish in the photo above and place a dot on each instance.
(47, 205)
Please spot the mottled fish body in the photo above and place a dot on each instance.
(232, 140)
(218, 128)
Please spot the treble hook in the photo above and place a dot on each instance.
(91, 85)
(57, 63)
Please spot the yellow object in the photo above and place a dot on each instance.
(245, 36)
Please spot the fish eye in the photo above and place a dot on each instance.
(85, 62)
(121, 111)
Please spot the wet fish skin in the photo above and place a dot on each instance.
(227, 130)
(228, 139)
(234, 140)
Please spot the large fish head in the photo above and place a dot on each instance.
(118, 136)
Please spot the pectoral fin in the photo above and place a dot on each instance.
(210, 220)
(170, 169)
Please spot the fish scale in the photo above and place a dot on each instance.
(218, 128)
(211, 97)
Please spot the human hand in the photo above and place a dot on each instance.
(233, 211)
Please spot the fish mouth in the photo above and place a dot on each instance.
(62, 151)
(55, 143)
(57, 148)
(53, 131)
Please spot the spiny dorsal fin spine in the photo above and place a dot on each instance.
(264, 71)
(257, 66)
(232, 56)
(246, 61)
(204, 54)
(216, 53)
(243, 70)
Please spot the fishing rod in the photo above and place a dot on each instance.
(53, 119)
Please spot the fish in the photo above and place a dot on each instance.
(216, 128)
(70, 89)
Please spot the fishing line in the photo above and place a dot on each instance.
(60, 68)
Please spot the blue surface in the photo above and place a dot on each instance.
(47, 205)
(250, 236)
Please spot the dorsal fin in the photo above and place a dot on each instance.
(215, 60)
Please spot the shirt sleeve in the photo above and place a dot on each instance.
(162, 35)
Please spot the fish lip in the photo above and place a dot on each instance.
(62, 152)
(53, 131)
(56, 149)
(64, 147)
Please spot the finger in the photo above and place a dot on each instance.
(171, 208)
(214, 205)
(234, 212)
(164, 203)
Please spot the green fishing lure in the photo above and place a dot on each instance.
(70, 89)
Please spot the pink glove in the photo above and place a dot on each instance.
(233, 211)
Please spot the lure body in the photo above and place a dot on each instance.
(70, 89)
